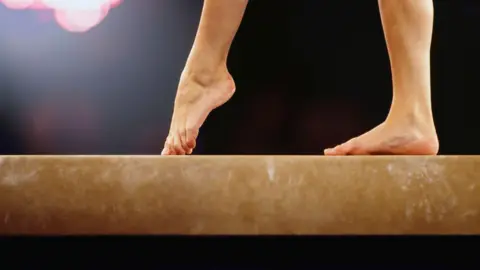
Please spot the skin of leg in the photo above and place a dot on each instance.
(409, 128)
(205, 83)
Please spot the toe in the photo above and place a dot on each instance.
(167, 148)
(329, 152)
(358, 151)
(344, 148)
(183, 140)
(340, 150)
(189, 142)
(191, 137)
(335, 151)
(353, 147)
(177, 144)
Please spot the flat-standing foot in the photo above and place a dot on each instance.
(393, 137)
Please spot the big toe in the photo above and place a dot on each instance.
(329, 151)
(342, 149)
(170, 147)
(335, 151)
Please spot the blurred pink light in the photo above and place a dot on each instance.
(77, 4)
(80, 20)
(72, 15)
(115, 3)
(18, 4)
(38, 4)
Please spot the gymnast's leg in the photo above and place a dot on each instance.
(409, 128)
(205, 83)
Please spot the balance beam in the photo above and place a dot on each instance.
(239, 195)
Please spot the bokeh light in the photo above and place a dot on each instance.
(18, 4)
(80, 20)
(71, 15)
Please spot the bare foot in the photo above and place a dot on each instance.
(391, 138)
(196, 97)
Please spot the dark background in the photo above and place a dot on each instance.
(309, 74)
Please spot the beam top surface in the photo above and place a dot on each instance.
(240, 194)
